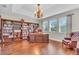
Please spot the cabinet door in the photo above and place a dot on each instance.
(45, 38)
(39, 38)
(32, 38)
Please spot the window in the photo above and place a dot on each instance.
(45, 26)
(53, 25)
(63, 24)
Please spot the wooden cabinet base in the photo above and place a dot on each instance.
(38, 38)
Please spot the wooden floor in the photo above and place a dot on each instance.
(26, 48)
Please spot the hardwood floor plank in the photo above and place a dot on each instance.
(26, 48)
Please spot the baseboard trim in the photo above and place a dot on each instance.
(55, 40)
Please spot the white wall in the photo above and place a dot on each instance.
(57, 36)
(75, 22)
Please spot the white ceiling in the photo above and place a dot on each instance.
(28, 9)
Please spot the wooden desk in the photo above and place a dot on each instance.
(38, 38)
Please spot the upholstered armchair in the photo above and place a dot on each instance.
(77, 46)
(70, 42)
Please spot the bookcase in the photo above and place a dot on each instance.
(15, 30)
(25, 31)
(7, 31)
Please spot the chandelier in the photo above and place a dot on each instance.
(38, 12)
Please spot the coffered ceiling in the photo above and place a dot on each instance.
(28, 9)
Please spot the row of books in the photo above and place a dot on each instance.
(8, 29)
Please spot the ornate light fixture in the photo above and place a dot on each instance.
(38, 11)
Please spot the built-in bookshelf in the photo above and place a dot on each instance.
(31, 28)
(25, 31)
(7, 28)
(16, 30)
